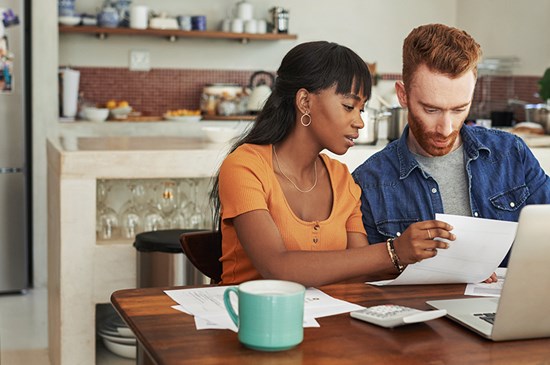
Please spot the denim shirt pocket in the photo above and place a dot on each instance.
(511, 200)
(394, 227)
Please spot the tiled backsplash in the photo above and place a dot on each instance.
(158, 90)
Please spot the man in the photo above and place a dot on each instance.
(439, 165)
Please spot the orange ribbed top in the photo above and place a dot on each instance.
(247, 182)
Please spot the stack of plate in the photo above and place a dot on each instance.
(117, 337)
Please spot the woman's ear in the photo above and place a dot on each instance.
(303, 101)
(401, 93)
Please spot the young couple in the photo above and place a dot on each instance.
(290, 212)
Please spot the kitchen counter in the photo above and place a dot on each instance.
(83, 272)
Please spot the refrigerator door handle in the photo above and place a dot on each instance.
(10, 170)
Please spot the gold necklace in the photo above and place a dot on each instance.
(292, 182)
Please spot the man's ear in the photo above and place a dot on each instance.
(303, 101)
(401, 93)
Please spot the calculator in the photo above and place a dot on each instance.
(390, 315)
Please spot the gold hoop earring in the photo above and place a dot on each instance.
(302, 120)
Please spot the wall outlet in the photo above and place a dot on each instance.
(140, 61)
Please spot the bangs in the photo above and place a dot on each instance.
(352, 78)
(321, 65)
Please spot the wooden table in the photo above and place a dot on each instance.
(170, 336)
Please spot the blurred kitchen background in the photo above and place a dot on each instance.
(154, 72)
(512, 34)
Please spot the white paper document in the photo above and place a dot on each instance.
(206, 304)
(480, 246)
(485, 289)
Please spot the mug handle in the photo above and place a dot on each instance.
(228, 306)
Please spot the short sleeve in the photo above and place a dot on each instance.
(355, 220)
(243, 183)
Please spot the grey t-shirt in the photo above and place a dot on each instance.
(450, 175)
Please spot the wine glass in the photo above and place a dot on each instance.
(107, 223)
(131, 220)
(195, 216)
(153, 219)
(167, 199)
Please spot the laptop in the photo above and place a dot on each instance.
(523, 309)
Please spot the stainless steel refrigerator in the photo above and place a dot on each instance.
(15, 148)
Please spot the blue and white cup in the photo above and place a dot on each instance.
(65, 7)
(184, 22)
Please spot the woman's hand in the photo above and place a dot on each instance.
(417, 242)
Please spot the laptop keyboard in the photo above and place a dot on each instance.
(488, 317)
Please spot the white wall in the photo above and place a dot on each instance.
(373, 28)
(510, 28)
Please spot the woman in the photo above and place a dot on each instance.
(291, 213)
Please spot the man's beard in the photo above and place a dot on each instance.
(424, 138)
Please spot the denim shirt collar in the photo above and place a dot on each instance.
(407, 161)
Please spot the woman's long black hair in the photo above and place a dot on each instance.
(314, 66)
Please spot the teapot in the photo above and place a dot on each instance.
(260, 91)
(108, 16)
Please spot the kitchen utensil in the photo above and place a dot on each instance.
(260, 90)
(69, 81)
(198, 22)
(369, 133)
(244, 10)
(237, 25)
(65, 7)
(69, 20)
(262, 26)
(108, 17)
(251, 26)
(539, 113)
(139, 17)
(396, 122)
(123, 8)
(280, 19)
(96, 114)
(212, 94)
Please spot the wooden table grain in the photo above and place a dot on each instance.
(170, 336)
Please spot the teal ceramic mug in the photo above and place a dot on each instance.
(270, 315)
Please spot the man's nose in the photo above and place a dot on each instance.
(445, 124)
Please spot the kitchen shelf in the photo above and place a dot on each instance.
(173, 34)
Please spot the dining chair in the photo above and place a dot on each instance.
(204, 249)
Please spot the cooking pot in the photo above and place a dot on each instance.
(539, 113)
(371, 120)
(260, 90)
(397, 120)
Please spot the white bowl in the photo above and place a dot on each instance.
(128, 351)
(118, 339)
(96, 114)
(122, 112)
(69, 20)
(220, 134)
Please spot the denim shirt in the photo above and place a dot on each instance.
(503, 177)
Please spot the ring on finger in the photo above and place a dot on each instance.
(429, 234)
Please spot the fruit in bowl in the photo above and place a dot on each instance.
(96, 114)
(184, 115)
(118, 109)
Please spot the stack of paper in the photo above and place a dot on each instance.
(206, 304)
(480, 246)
